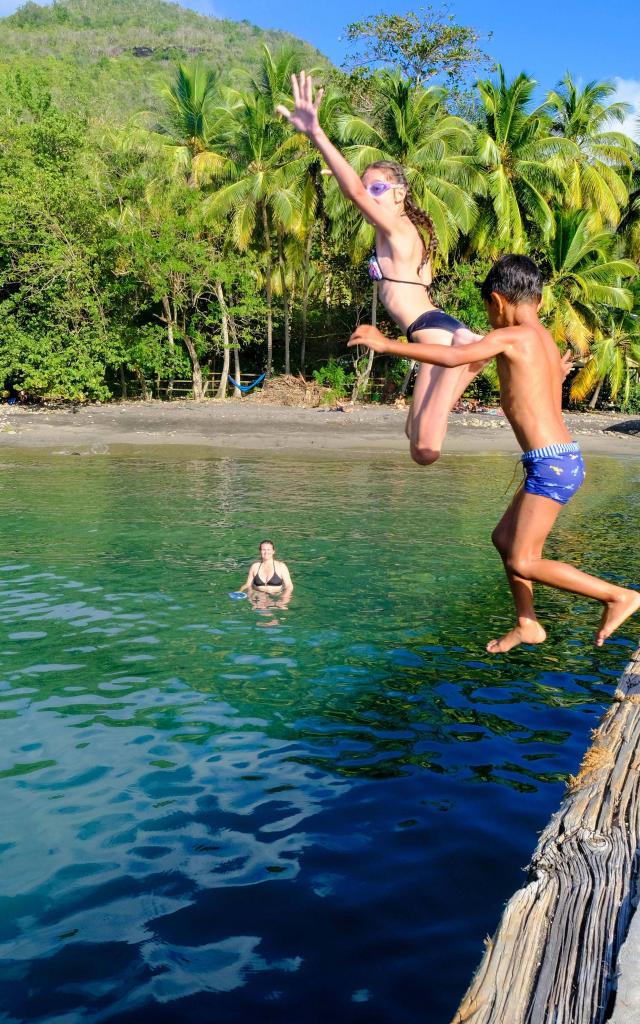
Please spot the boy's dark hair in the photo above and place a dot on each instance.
(516, 277)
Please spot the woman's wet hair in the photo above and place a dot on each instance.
(516, 277)
(266, 542)
(417, 216)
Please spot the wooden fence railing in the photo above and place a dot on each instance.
(184, 388)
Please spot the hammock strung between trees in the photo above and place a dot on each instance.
(247, 387)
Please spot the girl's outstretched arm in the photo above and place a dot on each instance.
(304, 118)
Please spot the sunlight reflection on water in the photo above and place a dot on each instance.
(208, 812)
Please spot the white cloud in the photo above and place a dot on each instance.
(628, 91)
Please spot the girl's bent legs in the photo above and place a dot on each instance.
(436, 391)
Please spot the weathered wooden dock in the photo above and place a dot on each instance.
(554, 956)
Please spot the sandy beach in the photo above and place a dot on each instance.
(247, 426)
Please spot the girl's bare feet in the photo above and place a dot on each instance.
(616, 612)
(529, 631)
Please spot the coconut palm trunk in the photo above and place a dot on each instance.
(269, 284)
(237, 393)
(285, 303)
(169, 319)
(596, 395)
(305, 299)
(224, 377)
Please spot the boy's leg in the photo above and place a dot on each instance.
(528, 629)
(436, 391)
(533, 520)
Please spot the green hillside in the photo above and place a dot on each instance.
(107, 57)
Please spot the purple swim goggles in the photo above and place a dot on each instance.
(378, 188)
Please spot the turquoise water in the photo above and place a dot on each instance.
(213, 812)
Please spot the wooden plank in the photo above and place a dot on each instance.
(554, 955)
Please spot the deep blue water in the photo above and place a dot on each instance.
(212, 812)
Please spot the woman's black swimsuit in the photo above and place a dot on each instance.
(433, 320)
(275, 580)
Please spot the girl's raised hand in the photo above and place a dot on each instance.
(304, 116)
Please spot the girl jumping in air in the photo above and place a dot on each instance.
(401, 263)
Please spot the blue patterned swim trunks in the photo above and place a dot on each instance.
(555, 472)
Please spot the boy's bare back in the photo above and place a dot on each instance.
(531, 383)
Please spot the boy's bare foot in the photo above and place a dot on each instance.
(530, 632)
(615, 612)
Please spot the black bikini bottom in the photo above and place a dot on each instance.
(434, 320)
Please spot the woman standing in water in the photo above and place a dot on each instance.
(402, 264)
(268, 576)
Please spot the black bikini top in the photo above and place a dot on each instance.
(275, 580)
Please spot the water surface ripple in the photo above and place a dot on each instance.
(218, 812)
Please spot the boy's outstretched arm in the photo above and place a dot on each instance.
(439, 355)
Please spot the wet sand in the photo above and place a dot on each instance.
(246, 426)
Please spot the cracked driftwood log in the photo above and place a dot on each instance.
(553, 957)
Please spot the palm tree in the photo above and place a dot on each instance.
(598, 175)
(614, 360)
(267, 171)
(516, 147)
(197, 109)
(629, 226)
(411, 125)
(585, 281)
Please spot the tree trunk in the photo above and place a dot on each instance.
(169, 319)
(123, 383)
(267, 243)
(222, 387)
(196, 369)
(362, 377)
(407, 378)
(237, 393)
(235, 345)
(285, 303)
(142, 382)
(305, 300)
(596, 395)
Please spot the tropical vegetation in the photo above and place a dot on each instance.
(191, 235)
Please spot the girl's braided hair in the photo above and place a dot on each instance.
(418, 217)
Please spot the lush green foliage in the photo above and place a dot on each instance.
(422, 44)
(113, 56)
(335, 377)
(204, 234)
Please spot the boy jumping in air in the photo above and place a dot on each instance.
(530, 372)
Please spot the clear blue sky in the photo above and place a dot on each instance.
(544, 38)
